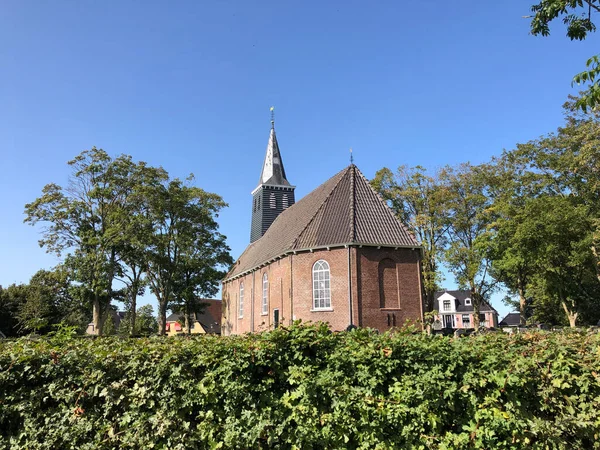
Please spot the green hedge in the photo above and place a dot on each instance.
(302, 387)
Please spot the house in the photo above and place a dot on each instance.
(208, 321)
(512, 319)
(339, 255)
(455, 310)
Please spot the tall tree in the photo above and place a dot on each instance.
(468, 255)
(132, 252)
(420, 201)
(513, 240)
(561, 172)
(577, 15)
(86, 220)
(185, 242)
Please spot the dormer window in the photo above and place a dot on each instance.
(467, 302)
(446, 305)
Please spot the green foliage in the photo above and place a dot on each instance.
(468, 253)
(48, 299)
(577, 16)
(302, 387)
(545, 231)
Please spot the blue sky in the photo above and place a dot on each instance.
(188, 85)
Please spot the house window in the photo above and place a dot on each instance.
(272, 201)
(446, 305)
(467, 302)
(284, 201)
(321, 285)
(265, 291)
(466, 320)
(241, 300)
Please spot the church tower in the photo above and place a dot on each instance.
(274, 192)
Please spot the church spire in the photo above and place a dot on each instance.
(273, 172)
(274, 193)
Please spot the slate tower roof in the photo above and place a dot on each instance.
(345, 210)
(274, 193)
(273, 172)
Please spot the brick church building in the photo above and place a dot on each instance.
(338, 255)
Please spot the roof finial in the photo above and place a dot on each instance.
(351, 157)
(272, 117)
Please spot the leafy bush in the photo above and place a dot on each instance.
(302, 387)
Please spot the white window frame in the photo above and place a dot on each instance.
(241, 304)
(468, 302)
(265, 295)
(285, 202)
(468, 321)
(446, 305)
(321, 279)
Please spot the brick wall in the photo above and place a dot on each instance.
(293, 295)
(406, 288)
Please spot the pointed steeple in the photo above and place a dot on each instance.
(274, 193)
(273, 172)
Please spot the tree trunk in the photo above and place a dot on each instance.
(522, 305)
(429, 301)
(597, 258)
(476, 300)
(162, 315)
(132, 311)
(97, 316)
(572, 316)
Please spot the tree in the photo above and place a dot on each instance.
(10, 299)
(132, 253)
(468, 255)
(186, 249)
(547, 212)
(577, 15)
(420, 201)
(513, 240)
(49, 300)
(90, 220)
(86, 220)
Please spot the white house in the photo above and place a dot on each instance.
(455, 310)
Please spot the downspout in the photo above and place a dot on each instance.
(291, 288)
(352, 236)
(350, 287)
(252, 305)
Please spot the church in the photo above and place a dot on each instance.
(339, 255)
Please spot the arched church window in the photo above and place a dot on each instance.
(241, 300)
(388, 284)
(265, 295)
(321, 285)
(272, 201)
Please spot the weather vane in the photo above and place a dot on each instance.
(272, 117)
(351, 156)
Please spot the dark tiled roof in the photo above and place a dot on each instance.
(511, 320)
(461, 296)
(210, 319)
(343, 210)
(273, 171)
